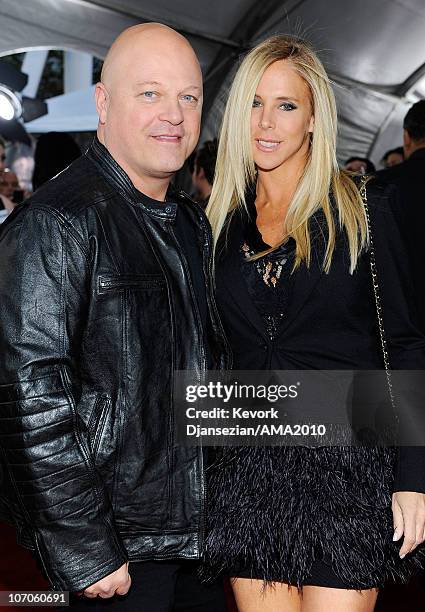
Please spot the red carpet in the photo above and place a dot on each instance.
(18, 571)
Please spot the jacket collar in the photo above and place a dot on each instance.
(305, 279)
(119, 179)
(418, 154)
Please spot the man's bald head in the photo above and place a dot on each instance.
(142, 38)
(149, 103)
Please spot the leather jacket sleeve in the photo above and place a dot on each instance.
(44, 295)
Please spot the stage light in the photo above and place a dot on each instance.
(10, 105)
(6, 108)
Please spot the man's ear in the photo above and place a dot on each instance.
(102, 99)
(407, 141)
(406, 137)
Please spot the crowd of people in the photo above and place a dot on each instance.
(291, 263)
(53, 152)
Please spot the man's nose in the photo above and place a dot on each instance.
(172, 112)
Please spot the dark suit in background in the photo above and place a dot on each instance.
(410, 213)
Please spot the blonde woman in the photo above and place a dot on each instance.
(326, 527)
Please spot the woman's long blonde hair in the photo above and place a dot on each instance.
(235, 168)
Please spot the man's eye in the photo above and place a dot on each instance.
(288, 106)
(149, 94)
(189, 98)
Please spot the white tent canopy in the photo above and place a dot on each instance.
(373, 49)
(72, 112)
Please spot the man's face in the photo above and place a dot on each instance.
(394, 159)
(152, 111)
(8, 183)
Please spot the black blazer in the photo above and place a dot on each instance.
(331, 319)
(410, 212)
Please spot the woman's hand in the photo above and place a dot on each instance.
(409, 519)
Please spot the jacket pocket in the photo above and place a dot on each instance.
(97, 423)
(121, 282)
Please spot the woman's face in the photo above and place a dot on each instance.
(281, 119)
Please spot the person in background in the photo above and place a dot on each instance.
(54, 151)
(203, 171)
(361, 165)
(2, 154)
(410, 209)
(393, 157)
(6, 204)
(9, 186)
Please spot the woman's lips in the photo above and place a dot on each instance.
(267, 145)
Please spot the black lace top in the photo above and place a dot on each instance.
(268, 278)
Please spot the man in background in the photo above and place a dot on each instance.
(9, 185)
(410, 211)
(54, 151)
(6, 204)
(203, 171)
(2, 154)
(393, 157)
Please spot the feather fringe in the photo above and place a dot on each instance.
(274, 511)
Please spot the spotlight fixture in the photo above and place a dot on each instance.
(10, 105)
(15, 108)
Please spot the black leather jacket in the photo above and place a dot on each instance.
(97, 313)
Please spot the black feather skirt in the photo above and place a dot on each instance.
(272, 512)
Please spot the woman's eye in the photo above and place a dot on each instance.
(288, 106)
(256, 103)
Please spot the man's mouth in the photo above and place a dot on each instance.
(173, 138)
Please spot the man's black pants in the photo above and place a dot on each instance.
(160, 587)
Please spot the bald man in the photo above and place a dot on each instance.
(105, 293)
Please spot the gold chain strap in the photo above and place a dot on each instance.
(363, 193)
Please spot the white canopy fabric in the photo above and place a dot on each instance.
(373, 49)
(72, 112)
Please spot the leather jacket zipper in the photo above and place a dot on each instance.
(202, 367)
(207, 266)
(124, 281)
(98, 424)
(208, 271)
(227, 362)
